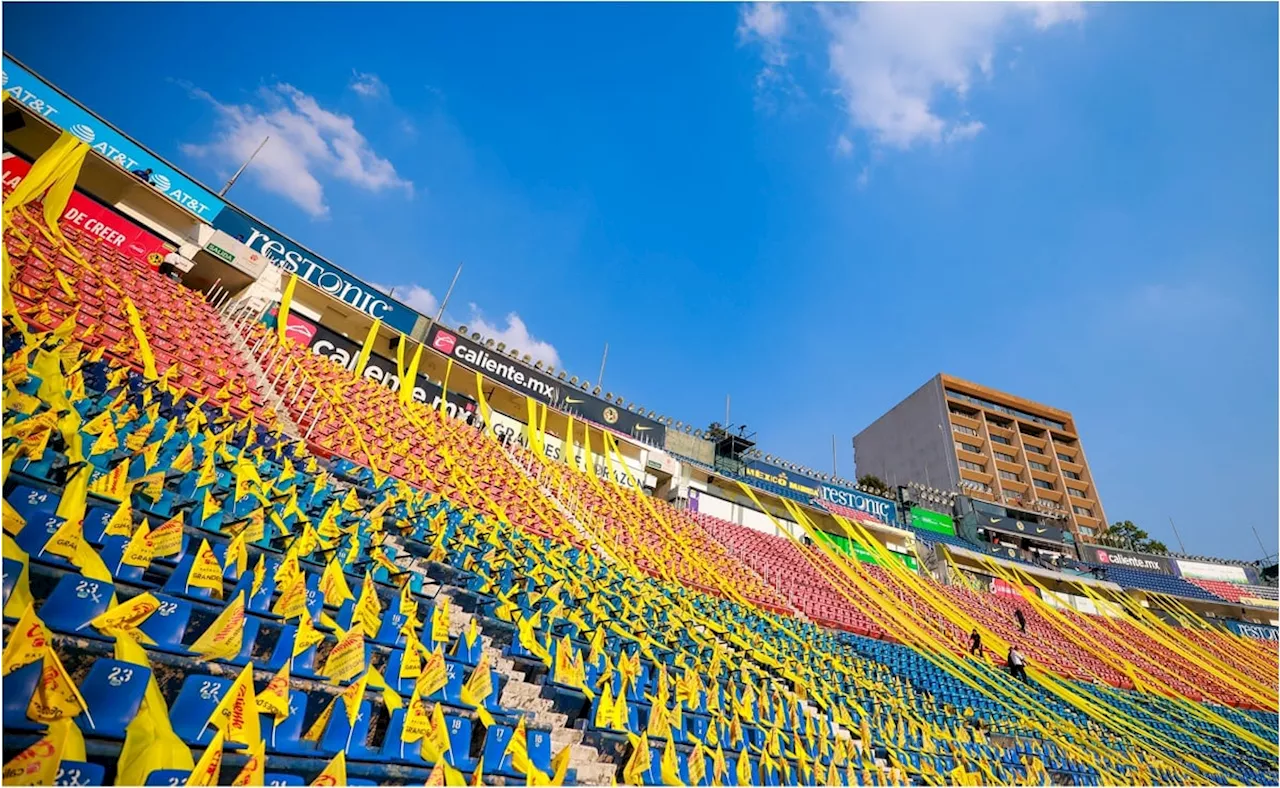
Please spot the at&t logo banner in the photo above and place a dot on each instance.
(41, 98)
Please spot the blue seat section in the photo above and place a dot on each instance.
(335, 497)
(1154, 581)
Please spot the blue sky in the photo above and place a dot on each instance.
(811, 209)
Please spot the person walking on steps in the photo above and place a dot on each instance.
(975, 643)
(1017, 665)
(1021, 619)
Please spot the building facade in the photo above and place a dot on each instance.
(992, 446)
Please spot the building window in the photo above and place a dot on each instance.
(1010, 475)
(976, 485)
(1087, 512)
(1077, 493)
(1086, 530)
(1001, 439)
(1071, 475)
(973, 466)
(1065, 457)
(1006, 457)
(1032, 449)
(1043, 484)
(964, 430)
(1039, 466)
(968, 447)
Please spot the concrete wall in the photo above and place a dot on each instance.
(910, 443)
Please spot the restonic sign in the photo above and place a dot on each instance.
(316, 271)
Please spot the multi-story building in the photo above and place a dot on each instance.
(992, 446)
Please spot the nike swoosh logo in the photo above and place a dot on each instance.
(1041, 530)
(995, 519)
(572, 401)
(642, 427)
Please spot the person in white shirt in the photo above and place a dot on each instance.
(1017, 664)
(173, 266)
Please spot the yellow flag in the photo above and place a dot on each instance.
(225, 636)
(274, 698)
(368, 612)
(390, 698)
(254, 770)
(206, 771)
(121, 522)
(206, 572)
(126, 616)
(434, 675)
(292, 602)
(307, 636)
(370, 340)
(478, 688)
(38, 764)
(353, 696)
(28, 642)
(435, 744)
(333, 585)
(139, 551)
(236, 715)
(346, 660)
(56, 696)
(560, 765)
(166, 540)
(639, 761)
(65, 541)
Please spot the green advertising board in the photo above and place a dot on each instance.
(863, 555)
(932, 521)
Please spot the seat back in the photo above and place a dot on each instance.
(113, 692)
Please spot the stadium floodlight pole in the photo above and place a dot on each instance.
(447, 293)
(1265, 554)
(243, 167)
(1177, 536)
(834, 466)
(603, 358)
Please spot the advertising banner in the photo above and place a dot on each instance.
(1110, 556)
(315, 270)
(338, 348)
(882, 509)
(928, 520)
(543, 388)
(1005, 588)
(1202, 571)
(1256, 631)
(42, 99)
(554, 450)
(94, 218)
(1008, 525)
(874, 506)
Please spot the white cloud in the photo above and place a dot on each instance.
(416, 296)
(844, 146)
(765, 24)
(960, 132)
(308, 143)
(891, 61)
(514, 335)
(368, 85)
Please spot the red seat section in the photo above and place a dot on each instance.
(181, 328)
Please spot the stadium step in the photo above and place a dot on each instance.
(273, 396)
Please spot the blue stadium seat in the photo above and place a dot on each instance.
(113, 692)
